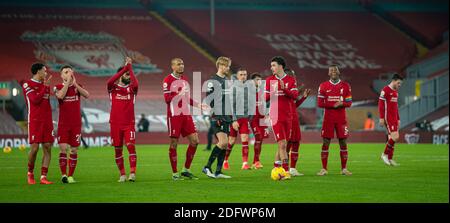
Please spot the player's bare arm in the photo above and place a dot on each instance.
(47, 80)
(83, 92)
(128, 60)
(338, 104)
(134, 84)
(382, 122)
(117, 76)
(60, 94)
(204, 107)
(306, 92)
(303, 97)
(235, 125)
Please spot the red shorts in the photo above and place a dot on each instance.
(296, 133)
(329, 127)
(70, 135)
(121, 132)
(392, 126)
(180, 125)
(40, 132)
(258, 129)
(243, 127)
(282, 130)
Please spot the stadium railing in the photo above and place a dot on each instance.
(433, 95)
(414, 73)
(8, 124)
(427, 67)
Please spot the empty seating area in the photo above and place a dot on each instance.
(8, 125)
(428, 26)
(46, 35)
(311, 35)
(310, 41)
(424, 21)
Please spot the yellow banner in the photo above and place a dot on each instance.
(418, 84)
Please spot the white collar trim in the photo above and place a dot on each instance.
(280, 78)
(336, 82)
(173, 75)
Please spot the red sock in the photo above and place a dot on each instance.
(389, 149)
(44, 171)
(31, 167)
(391, 154)
(244, 152)
(190, 155)
(72, 163)
(132, 157)
(228, 152)
(324, 156)
(344, 157)
(173, 159)
(294, 154)
(119, 161)
(63, 163)
(285, 165)
(288, 148)
(257, 147)
(277, 164)
(389, 146)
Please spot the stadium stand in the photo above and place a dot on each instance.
(94, 39)
(438, 119)
(8, 124)
(309, 44)
(121, 4)
(428, 26)
(423, 21)
(425, 89)
(433, 64)
(150, 43)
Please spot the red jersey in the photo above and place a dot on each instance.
(295, 104)
(258, 114)
(172, 86)
(388, 105)
(280, 106)
(69, 106)
(329, 94)
(37, 97)
(123, 98)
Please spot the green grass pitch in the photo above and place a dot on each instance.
(421, 177)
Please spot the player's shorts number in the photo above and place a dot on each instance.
(78, 136)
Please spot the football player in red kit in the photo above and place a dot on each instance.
(334, 96)
(69, 124)
(389, 117)
(123, 88)
(293, 145)
(40, 125)
(240, 99)
(179, 118)
(260, 130)
(280, 90)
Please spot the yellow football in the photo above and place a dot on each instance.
(7, 149)
(278, 173)
(22, 147)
